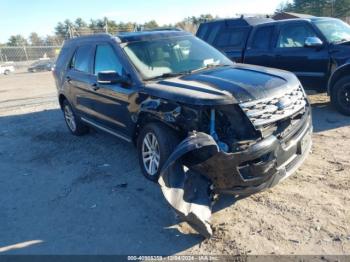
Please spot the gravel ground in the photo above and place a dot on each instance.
(61, 194)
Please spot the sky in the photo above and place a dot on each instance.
(41, 16)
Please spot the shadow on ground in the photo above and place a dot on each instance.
(78, 195)
(325, 117)
(86, 195)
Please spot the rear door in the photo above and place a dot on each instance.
(232, 41)
(259, 46)
(80, 79)
(309, 64)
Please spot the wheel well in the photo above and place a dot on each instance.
(144, 119)
(61, 99)
(337, 75)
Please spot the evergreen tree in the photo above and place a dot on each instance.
(333, 8)
(35, 40)
(17, 40)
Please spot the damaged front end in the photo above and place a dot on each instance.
(238, 149)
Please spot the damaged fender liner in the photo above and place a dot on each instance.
(188, 191)
(197, 163)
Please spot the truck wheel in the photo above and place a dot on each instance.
(155, 144)
(340, 96)
(7, 72)
(75, 126)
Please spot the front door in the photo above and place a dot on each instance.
(310, 64)
(111, 101)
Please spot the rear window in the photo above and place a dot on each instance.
(62, 57)
(262, 37)
(81, 59)
(231, 38)
(213, 31)
(202, 30)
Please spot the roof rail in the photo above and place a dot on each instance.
(92, 36)
(137, 29)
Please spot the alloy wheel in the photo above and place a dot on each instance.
(70, 119)
(150, 154)
(344, 96)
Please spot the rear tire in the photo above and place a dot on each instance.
(340, 95)
(75, 126)
(155, 144)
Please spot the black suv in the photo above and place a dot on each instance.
(317, 49)
(202, 124)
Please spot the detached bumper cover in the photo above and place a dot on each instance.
(197, 163)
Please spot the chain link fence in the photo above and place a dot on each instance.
(27, 53)
(23, 57)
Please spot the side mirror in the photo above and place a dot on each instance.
(313, 42)
(111, 77)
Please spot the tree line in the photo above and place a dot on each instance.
(67, 29)
(331, 8)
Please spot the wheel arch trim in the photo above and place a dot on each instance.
(336, 75)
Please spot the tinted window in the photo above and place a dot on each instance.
(294, 35)
(107, 60)
(202, 31)
(233, 38)
(81, 59)
(62, 57)
(262, 37)
(213, 32)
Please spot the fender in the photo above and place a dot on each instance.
(337, 74)
(181, 118)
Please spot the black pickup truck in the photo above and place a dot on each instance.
(317, 50)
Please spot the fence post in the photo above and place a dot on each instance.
(25, 52)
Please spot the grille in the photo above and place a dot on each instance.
(267, 111)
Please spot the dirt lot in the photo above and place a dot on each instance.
(61, 194)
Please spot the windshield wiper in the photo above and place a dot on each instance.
(208, 67)
(341, 41)
(167, 75)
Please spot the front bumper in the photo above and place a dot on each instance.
(261, 166)
(197, 163)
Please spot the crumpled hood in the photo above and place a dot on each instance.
(225, 85)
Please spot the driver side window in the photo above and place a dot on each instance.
(107, 60)
(294, 35)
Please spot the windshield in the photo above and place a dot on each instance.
(172, 56)
(334, 30)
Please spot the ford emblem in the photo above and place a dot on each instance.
(283, 103)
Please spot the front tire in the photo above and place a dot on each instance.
(155, 144)
(75, 126)
(7, 72)
(340, 96)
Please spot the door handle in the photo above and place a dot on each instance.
(94, 87)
